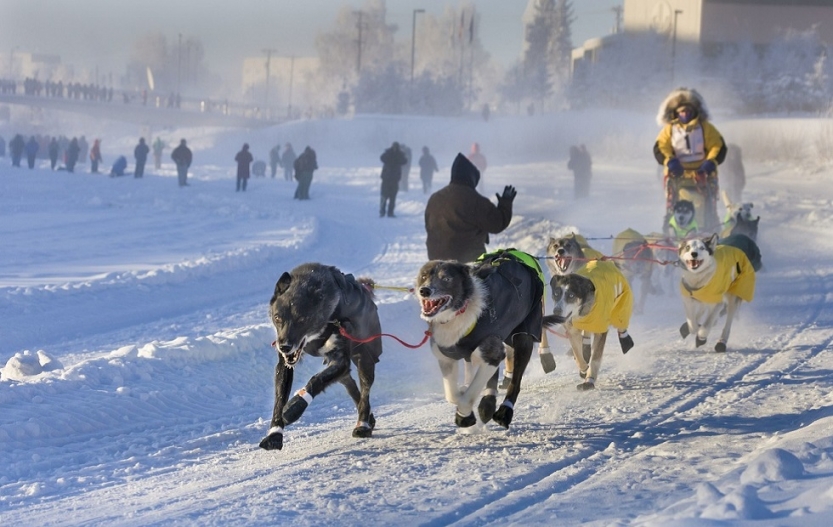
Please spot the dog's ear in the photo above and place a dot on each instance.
(711, 242)
(283, 284)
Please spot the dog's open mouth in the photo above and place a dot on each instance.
(693, 264)
(563, 262)
(293, 357)
(432, 306)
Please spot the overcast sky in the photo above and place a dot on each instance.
(90, 33)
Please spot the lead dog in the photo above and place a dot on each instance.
(590, 301)
(713, 276)
(472, 311)
(310, 306)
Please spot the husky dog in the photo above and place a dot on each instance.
(713, 276)
(472, 311)
(635, 263)
(682, 222)
(739, 219)
(589, 302)
(310, 306)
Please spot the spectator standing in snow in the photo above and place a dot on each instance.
(406, 168)
(182, 157)
(275, 159)
(581, 165)
(2, 147)
(85, 148)
(73, 151)
(32, 151)
(288, 162)
(458, 219)
(427, 167)
(393, 159)
(95, 156)
(118, 167)
(244, 160)
(16, 147)
(305, 165)
(54, 147)
(141, 154)
(158, 147)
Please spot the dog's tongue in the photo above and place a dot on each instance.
(694, 264)
(563, 262)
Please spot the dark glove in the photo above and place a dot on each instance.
(675, 168)
(508, 196)
(707, 167)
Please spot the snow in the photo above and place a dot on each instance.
(137, 368)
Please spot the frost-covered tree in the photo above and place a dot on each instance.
(170, 64)
(561, 44)
(536, 59)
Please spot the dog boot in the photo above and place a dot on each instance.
(625, 341)
(684, 331)
(364, 428)
(294, 409)
(588, 384)
(464, 421)
(720, 347)
(506, 381)
(547, 360)
(699, 342)
(486, 408)
(504, 414)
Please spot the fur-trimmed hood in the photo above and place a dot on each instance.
(675, 99)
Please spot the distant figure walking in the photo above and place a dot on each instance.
(182, 157)
(288, 162)
(158, 147)
(141, 154)
(244, 160)
(392, 162)
(581, 164)
(95, 156)
(427, 167)
(54, 148)
(73, 152)
(32, 151)
(16, 147)
(406, 168)
(305, 165)
(275, 159)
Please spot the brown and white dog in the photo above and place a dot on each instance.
(716, 275)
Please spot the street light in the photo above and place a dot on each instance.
(677, 12)
(413, 41)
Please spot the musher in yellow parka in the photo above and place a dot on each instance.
(690, 148)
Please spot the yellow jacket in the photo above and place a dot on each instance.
(734, 275)
(625, 237)
(614, 299)
(712, 142)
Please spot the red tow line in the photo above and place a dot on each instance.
(343, 333)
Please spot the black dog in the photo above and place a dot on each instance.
(311, 304)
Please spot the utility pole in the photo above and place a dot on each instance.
(291, 71)
(359, 42)
(179, 65)
(268, 52)
(677, 12)
(413, 41)
(617, 13)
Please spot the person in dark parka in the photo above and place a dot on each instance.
(141, 154)
(16, 147)
(304, 166)
(54, 148)
(73, 152)
(458, 219)
(32, 148)
(183, 157)
(244, 160)
(393, 159)
(427, 167)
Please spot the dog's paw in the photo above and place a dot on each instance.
(626, 342)
(547, 362)
(582, 374)
(486, 408)
(294, 409)
(699, 342)
(504, 415)
(505, 382)
(684, 331)
(272, 442)
(362, 431)
(465, 421)
(720, 347)
(587, 385)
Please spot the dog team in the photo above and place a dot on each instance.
(482, 313)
